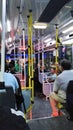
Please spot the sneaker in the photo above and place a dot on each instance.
(55, 114)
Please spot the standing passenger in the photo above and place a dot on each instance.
(17, 66)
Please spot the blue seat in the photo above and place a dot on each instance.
(27, 98)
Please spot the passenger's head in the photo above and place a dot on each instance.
(11, 67)
(65, 65)
(17, 61)
(53, 70)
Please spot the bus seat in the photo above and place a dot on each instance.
(27, 98)
(7, 97)
(68, 106)
(47, 89)
(69, 103)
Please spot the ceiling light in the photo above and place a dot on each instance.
(68, 29)
(48, 40)
(52, 42)
(68, 7)
(70, 41)
(67, 37)
(8, 25)
(39, 25)
(67, 23)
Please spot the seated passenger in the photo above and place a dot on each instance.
(60, 86)
(18, 94)
(10, 80)
(14, 82)
(53, 75)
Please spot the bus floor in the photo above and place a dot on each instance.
(41, 108)
(51, 123)
(43, 121)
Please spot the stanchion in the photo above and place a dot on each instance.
(56, 49)
(32, 56)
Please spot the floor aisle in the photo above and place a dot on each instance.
(41, 108)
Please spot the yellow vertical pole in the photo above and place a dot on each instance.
(29, 52)
(32, 56)
(56, 47)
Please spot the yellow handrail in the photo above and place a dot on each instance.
(56, 50)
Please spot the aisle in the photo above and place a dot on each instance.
(41, 108)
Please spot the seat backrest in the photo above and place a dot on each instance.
(7, 97)
(11, 121)
(19, 96)
(69, 95)
(46, 89)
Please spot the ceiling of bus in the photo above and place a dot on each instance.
(52, 8)
(18, 16)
